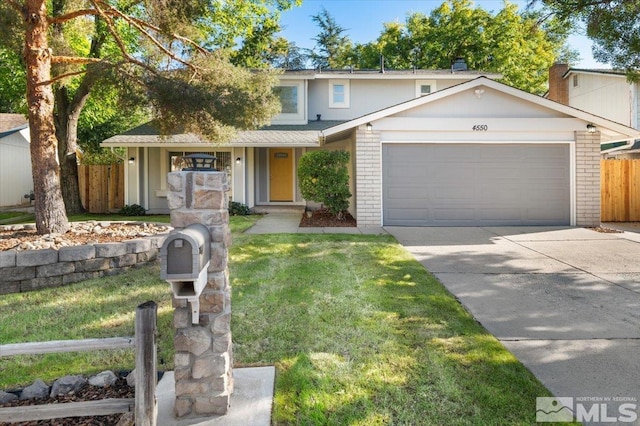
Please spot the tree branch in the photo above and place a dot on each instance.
(119, 41)
(62, 76)
(140, 27)
(69, 16)
(74, 60)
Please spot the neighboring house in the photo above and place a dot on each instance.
(427, 149)
(606, 93)
(15, 160)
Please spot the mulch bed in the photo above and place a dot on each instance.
(88, 393)
(323, 218)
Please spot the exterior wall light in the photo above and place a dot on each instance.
(369, 127)
(132, 160)
(591, 128)
(238, 161)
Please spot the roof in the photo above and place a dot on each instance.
(275, 135)
(12, 131)
(610, 130)
(12, 121)
(386, 74)
(618, 73)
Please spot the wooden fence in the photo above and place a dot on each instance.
(144, 403)
(101, 187)
(620, 190)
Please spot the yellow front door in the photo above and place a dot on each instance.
(281, 174)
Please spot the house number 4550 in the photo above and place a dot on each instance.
(480, 128)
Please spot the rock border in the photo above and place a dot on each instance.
(28, 270)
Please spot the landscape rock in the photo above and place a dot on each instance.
(38, 390)
(103, 379)
(67, 384)
(131, 378)
(7, 397)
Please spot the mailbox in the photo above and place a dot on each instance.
(184, 259)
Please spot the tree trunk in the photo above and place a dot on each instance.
(49, 205)
(66, 131)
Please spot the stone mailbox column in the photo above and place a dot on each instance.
(203, 358)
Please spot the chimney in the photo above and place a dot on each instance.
(558, 85)
(381, 64)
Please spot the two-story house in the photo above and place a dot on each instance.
(428, 148)
(606, 93)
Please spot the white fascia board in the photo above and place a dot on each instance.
(606, 73)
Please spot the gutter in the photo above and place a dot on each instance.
(629, 144)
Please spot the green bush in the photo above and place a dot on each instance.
(238, 209)
(324, 178)
(132, 210)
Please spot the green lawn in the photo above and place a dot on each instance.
(359, 332)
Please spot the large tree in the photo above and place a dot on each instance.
(612, 25)
(518, 45)
(333, 47)
(174, 55)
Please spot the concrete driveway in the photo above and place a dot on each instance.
(564, 301)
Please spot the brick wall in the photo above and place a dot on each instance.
(558, 86)
(587, 179)
(36, 269)
(368, 178)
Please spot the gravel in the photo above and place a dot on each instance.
(25, 237)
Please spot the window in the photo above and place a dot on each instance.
(338, 93)
(288, 98)
(424, 87)
(292, 95)
(575, 80)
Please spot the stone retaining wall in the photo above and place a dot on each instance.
(36, 269)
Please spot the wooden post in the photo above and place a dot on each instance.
(145, 377)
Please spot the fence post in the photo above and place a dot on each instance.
(146, 410)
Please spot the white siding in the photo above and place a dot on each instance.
(15, 168)
(608, 96)
(366, 96)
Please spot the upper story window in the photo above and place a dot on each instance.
(575, 80)
(339, 94)
(288, 99)
(292, 101)
(424, 87)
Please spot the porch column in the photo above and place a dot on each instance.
(587, 178)
(368, 178)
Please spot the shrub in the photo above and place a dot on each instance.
(238, 209)
(132, 210)
(324, 178)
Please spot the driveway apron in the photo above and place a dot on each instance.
(564, 301)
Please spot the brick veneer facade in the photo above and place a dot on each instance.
(587, 179)
(368, 177)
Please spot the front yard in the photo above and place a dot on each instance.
(359, 332)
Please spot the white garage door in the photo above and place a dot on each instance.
(476, 184)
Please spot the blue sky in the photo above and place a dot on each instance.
(363, 20)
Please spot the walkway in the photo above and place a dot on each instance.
(289, 223)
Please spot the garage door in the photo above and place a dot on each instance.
(476, 184)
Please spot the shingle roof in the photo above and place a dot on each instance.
(275, 135)
(11, 121)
